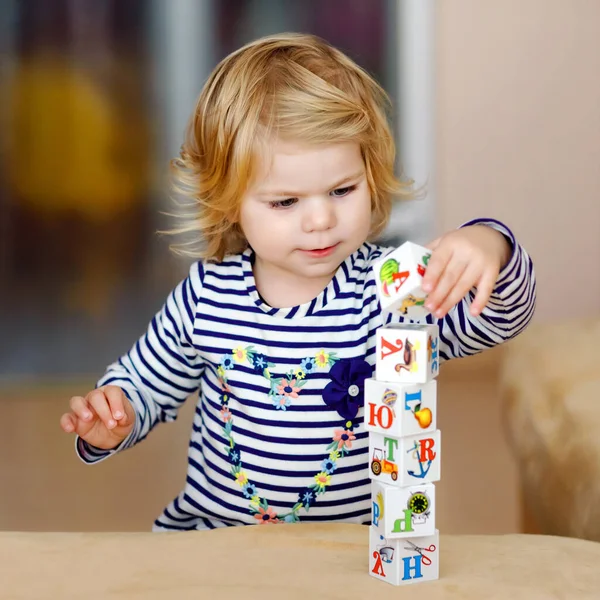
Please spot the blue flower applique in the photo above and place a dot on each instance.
(345, 392)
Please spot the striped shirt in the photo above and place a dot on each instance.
(264, 445)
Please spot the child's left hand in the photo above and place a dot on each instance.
(462, 259)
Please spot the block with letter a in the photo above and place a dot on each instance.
(399, 278)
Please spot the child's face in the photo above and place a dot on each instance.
(309, 209)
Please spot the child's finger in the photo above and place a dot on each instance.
(435, 267)
(485, 287)
(459, 291)
(451, 275)
(80, 407)
(115, 398)
(68, 423)
(99, 403)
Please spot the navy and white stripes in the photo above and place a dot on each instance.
(261, 372)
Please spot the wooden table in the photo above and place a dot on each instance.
(285, 562)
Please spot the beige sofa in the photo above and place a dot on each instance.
(550, 386)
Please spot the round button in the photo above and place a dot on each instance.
(353, 390)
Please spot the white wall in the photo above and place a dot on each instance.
(518, 134)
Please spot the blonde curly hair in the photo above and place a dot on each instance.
(291, 85)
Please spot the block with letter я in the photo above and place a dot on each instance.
(407, 353)
(407, 460)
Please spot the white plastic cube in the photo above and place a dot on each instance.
(400, 409)
(406, 460)
(399, 277)
(404, 561)
(400, 512)
(407, 353)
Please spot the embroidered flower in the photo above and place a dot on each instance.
(322, 358)
(266, 516)
(307, 497)
(234, 457)
(249, 490)
(221, 372)
(300, 374)
(322, 479)
(288, 388)
(241, 478)
(281, 402)
(240, 354)
(259, 362)
(345, 392)
(308, 365)
(344, 438)
(225, 414)
(329, 466)
(227, 362)
(334, 455)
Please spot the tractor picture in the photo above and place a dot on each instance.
(379, 464)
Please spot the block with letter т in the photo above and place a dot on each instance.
(401, 512)
(403, 561)
(400, 409)
(405, 461)
(407, 353)
(399, 279)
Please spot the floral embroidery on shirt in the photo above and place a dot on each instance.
(344, 394)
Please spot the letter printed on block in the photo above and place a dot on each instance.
(399, 278)
(400, 409)
(404, 561)
(407, 353)
(408, 460)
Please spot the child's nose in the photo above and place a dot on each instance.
(319, 215)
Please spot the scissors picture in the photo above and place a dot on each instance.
(424, 559)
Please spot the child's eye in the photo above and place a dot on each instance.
(283, 203)
(341, 192)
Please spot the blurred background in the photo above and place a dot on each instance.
(496, 108)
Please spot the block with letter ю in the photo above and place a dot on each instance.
(400, 409)
(407, 353)
(399, 279)
(401, 512)
(404, 561)
(405, 461)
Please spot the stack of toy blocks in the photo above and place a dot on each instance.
(400, 415)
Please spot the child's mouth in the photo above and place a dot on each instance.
(321, 252)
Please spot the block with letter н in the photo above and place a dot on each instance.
(401, 561)
(399, 278)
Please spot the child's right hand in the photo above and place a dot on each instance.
(104, 418)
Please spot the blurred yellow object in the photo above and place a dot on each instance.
(73, 145)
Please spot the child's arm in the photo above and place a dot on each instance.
(502, 305)
(157, 374)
